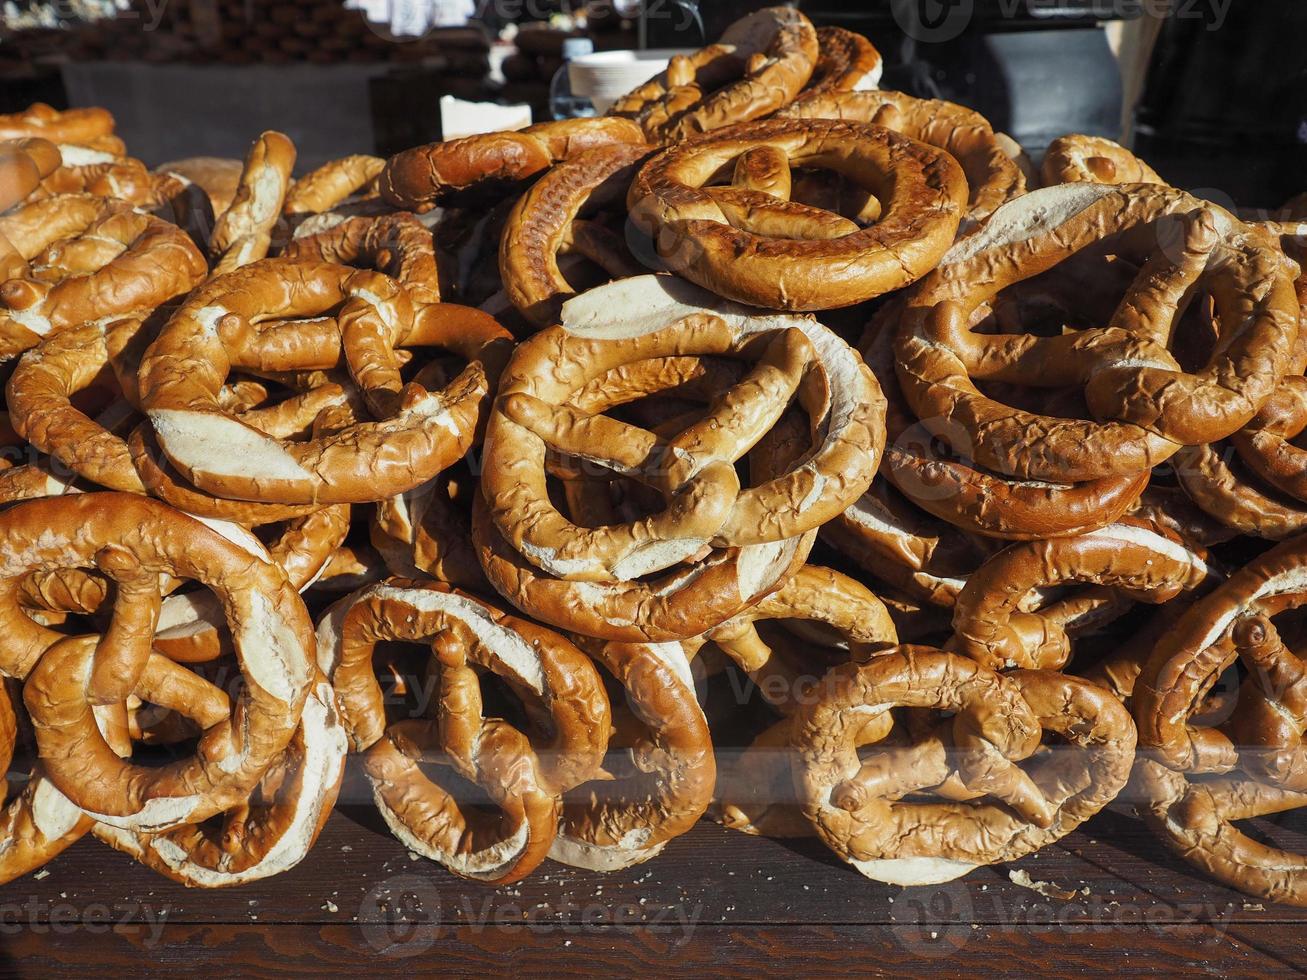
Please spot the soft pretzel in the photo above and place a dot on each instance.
(184, 370)
(693, 471)
(78, 126)
(243, 233)
(119, 263)
(992, 176)
(990, 628)
(1148, 404)
(1095, 160)
(846, 62)
(335, 181)
(397, 244)
(995, 797)
(958, 491)
(133, 539)
(547, 223)
(276, 829)
(676, 605)
(749, 242)
(779, 644)
(760, 63)
(24, 163)
(663, 762)
(522, 778)
(415, 179)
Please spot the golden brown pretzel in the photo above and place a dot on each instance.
(993, 177)
(660, 763)
(957, 490)
(846, 62)
(693, 471)
(243, 233)
(522, 777)
(1149, 405)
(784, 644)
(991, 796)
(1196, 780)
(335, 181)
(397, 244)
(78, 126)
(1092, 159)
(428, 532)
(991, 629)
(133, 539)
(24, 163)
(112, 262)
(760, 63)
(276, 829)
(416, 178)
(749, 242)
(556, 217)
(185, 368)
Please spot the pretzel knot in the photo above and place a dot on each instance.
(760, 63)
(1263, 733)
(751, 242)
(996, 798)
(133, 541)
(1075, 159)
(221, 327)
(659, 770)
(992, 176)
(1145, 405)
(524, 773)
(692, 470)
(989, 626)
(415, 179)
(784, 644)
(92, 259)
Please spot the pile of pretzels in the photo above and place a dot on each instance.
(774, 449)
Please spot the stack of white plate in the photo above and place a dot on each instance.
(605, 76)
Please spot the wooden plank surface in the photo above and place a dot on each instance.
(714, 901)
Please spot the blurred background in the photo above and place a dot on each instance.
(1213, 93)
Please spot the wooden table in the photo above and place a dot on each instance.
(714, 901)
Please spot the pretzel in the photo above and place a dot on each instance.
(1149, 405)
(396, 244)
(243, 233)
(184, 370)
(546, 224)
(415, 179)
(846, 62)
(663, 762)
(39, 822)
(132, 539)
(70, 126)
(996, 798)
(978, 501)
(218, 177)
(749, 242)
(817, 606)
(989, 627)
(127, 180)
(427, 533)
(992, 176)
(1266, 443)
(24, 163)
(335, 181)
(146, 263)
(523, 778)
(677, 605)
(273, 832)
(1093, 159)
(694, 471)
(761, 62)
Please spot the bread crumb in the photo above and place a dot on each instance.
(1045, 888)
